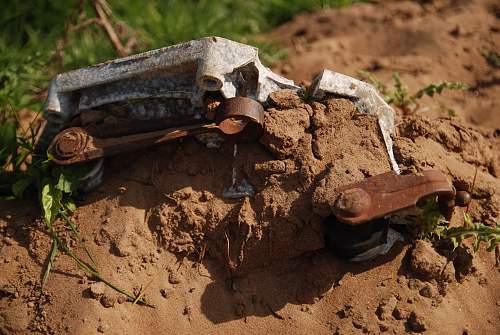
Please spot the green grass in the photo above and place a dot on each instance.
(30, 31)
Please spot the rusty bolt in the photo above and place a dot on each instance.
(352, 202)
(70, 143)
(463, 198)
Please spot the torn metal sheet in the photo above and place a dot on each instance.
(366, 99)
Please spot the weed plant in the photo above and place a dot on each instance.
(407, 102)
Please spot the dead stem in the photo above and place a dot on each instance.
(108, 28)
(472, 189)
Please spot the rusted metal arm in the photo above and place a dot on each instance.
(387, 193)
(238, 117)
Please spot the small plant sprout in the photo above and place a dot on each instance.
(493, 58)
(402, 99)
(435, 228)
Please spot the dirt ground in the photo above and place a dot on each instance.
(438, 40)
(259, 264)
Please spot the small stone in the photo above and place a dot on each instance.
(414, 284)
(401, 280)
(173, 278)
(121, 299)
(448, 274)
(103, 328)
(122, 248)
(400, 313)
(122, 190)
(428, 291)
(97, 290)
(108, 301)
(426, 262)
(359, 320)
(206, 196)
(385, 308)
(31, 304)
(345, 312)
(416, 323)
(166, 292)
(383, 327)
(8, 241)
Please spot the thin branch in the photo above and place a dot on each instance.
(108, 28)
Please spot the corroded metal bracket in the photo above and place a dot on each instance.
(169, 87)
(387, 193)
(238, 118)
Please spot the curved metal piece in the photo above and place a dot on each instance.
(242, 108)
(387, 193)
(365, 97)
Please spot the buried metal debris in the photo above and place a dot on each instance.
(362, 212)
(240, 118)
(215, 89)
(172, 87)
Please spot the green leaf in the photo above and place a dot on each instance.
(20, 186)
(475, 244)
(50, 261)
(68, 177)
(454, 241)
(69, 204)
(65, 183)
(51, 203)
(432, 89)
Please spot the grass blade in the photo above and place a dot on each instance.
(50, 261)
(92, 271)
(71, 224)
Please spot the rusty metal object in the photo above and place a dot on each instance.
(164, 83)
(463, 198)
(237, 118)
(384, 194)
(359, 228)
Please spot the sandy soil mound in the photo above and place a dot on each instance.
(258, 265)
(425, 43)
